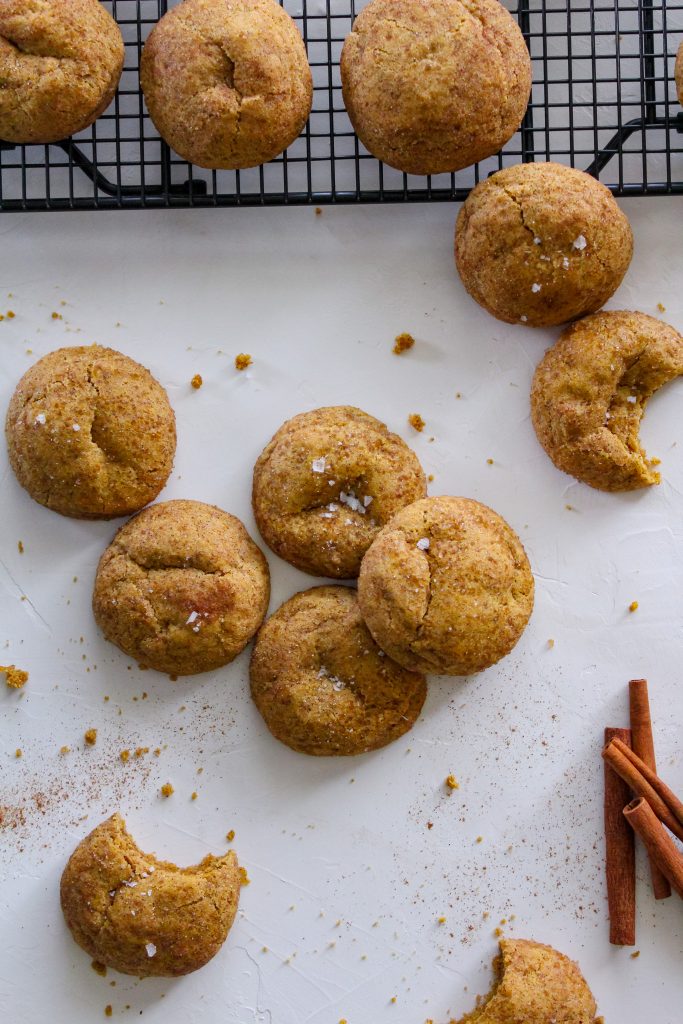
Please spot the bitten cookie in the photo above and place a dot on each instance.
(589, 393)
(322, 684)
(446, 587)
(435, 85)
(90, 433)
(227, 84)
(678, 74)
(60, 65)
(541, 244)
(326, 483)
(182, 588)
(534, 984)
(144, 916)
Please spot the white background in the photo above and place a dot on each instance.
(347, 879)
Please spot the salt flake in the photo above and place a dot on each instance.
(76, 426)
(192, 617)
(151, 949)
(319, 465)
(580, 242)
(535, 287)
(423, 544)
(537, 240)
(40, 418)
(632, 399)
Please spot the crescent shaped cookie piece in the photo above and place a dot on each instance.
(589, 393)
(534, 984)
(144, 916)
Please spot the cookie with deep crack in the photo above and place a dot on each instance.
(589, 393)
(60, 65)
(541, 244)
(227, 85)
(321, 682)
(90, 433)
(534, 984)
(326, 483)
(182, 588)
(446, 587)
(144, 916)
(435, 85)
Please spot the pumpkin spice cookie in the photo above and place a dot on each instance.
(534, 984)
(322, 684)
(589, 393)
(227, 84)
(182, 588)
(446, 587)
(144, 916)
(435, 85)
(541, 244)
(60, 65)
(326, 483)
(90, 433)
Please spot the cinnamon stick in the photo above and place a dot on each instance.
(660, 847)
(642, 743)
(620, 859)
(646, 783)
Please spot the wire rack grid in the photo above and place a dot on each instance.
(603, 99)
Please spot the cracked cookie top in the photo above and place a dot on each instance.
(90, 433)
(60, 65)
(182, 588)
(323, 685)
(446, 587)
(144, 916)
(435, 85)
(227, 84)
(590, 391)
(326, 483)
(541, 244)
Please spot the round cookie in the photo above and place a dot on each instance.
(90, 433)
(535, 984)
(60, 65)
(182, 588)
(446, 587)
(541, 244)
(678, 74)
(144, 916)
(589, 393)
(322, 684)
(227, 84)
(435, 85)
(326, 483)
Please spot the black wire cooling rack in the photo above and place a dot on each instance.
(603, 100)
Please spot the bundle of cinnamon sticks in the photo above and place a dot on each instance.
(631, 771)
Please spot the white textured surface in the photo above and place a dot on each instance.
(347, 879)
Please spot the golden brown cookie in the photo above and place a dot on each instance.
(534, 984)
(589, 393)
(435, 85)
(60, 65)
(145, 916)
(227, 84)
(90, 433)
(182, 588)
(446, 587)
(541, 244)
(326, 483)
(321, 682)
(678, 74)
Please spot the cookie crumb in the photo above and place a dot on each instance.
(489, 462)
(635, 954)
(498, 932)
(90, 737)
(318, 211)
(242, 361)
(430, 478)
(167, 790)
(633, 607)
(20, 547)
(441, 920)
(99, 968)
(64, 749)
(197, 381)
(10, 314)
(194, 796)
(662, 309)
(231, 835)
(14, 677)
(480, 839)
(452, 782)
(124, 755)
(416, 422)
(551, 644)
(57, 316)
(18, 752)
(244, 877)
(403, 342)
(108, 1010)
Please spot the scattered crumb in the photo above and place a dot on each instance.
(90, 737)
(489, 462)
(636, 953)
(20, 547)
(551, 644)
(124, 755)
(452, 782)
(480, 839)
(441, 920)
(416, 422)
(57, 316)
(244, 877)
(108, 1010)
(14, 677)
(231, 835)
(633, 607)
(194, 796)
(430, 478)
(662, 309)
(498, 932)
(11, 314)
(393, 999)
(18, 752)
(99, 968)
(318, 211)
(242, 361)
(197, 381)
(139, 751)
(157, 752)
(569, 508)
(167, 789)
(403, 342)
(64, 749)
